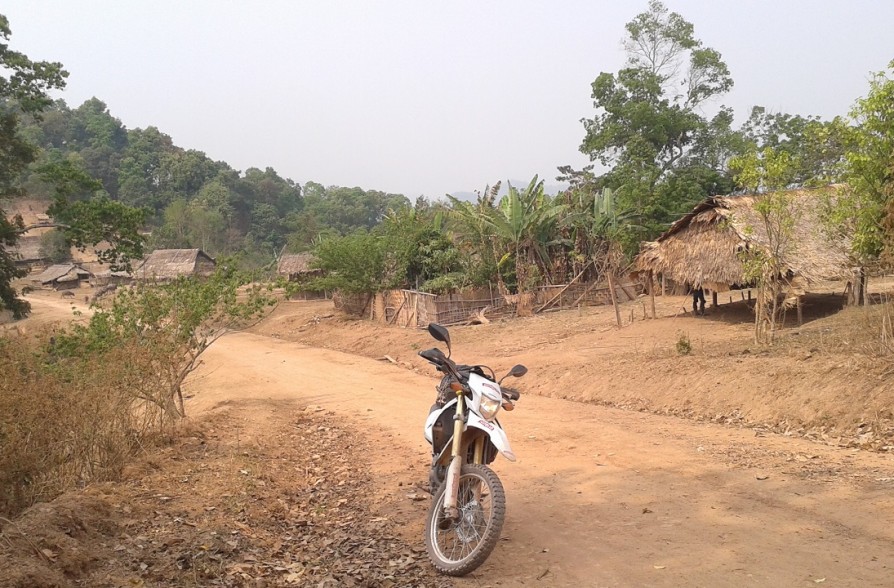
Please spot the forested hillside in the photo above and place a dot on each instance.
(660, 140)
(192, 200)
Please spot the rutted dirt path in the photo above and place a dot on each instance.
(599, 497)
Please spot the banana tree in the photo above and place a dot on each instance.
(524, 222)
(473, 230)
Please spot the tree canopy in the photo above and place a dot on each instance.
(24, 91)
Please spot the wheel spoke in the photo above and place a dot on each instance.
(458, 546)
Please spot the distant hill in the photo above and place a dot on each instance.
(551, 188)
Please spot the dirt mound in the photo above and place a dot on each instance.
(221, 507)
(53, 543)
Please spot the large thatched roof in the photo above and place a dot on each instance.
(296, 264)
(704, 247)
(28, 249)
(167, 264)
(62, 272)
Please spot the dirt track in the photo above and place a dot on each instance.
(601, 497)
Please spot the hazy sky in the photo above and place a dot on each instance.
(421, 97)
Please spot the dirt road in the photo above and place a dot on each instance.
(600, 497)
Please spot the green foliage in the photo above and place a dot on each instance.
(446, 283)
(520, 227)
(104, 221)
(816, 148)
(356, 263)
(683, 344)
(765, 265)
(172, 324)
(422, 250)
(768, 169)
(9, 235)
(648, 127)
(24, 91)
(54, 246)
(870, 168)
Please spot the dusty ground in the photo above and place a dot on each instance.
(600, 496)
(259, 494)
(804, 386)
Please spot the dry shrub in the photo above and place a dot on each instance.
(865, 331)
(65, 422)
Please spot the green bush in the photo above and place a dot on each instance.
(684, 345)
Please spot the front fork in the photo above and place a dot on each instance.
(451, 512)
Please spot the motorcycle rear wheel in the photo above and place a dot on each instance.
(464, 545)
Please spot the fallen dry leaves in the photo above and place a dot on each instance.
(218, 508)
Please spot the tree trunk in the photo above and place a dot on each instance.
(525, 305)
(614, 297)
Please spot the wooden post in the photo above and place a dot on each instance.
(631, 294)
(749, 294)
(800, 315)
(399, 308)
(663, 286)
(416, 311)
(652, 292)
(865, 288)
(568, 285)
(584, 295)
(613, 294)
(713, 299)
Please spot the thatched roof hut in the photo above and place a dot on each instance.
(27, 250)
(168, 264)
(62, 275)
(297, 265)
(106, 277)
(704, 247)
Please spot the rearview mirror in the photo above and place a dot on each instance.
(518, 371)
(440, 333)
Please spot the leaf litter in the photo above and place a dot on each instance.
(219, 508)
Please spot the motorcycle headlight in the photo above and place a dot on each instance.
(488, 407)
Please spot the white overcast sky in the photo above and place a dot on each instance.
(421, 97)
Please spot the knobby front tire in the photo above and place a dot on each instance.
(464, 545)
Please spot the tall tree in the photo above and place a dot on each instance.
(24, 90)
(648, 119)
(870, 170)
(816, 148)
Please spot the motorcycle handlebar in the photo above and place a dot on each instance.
(510, 393)
(444, 364)
(441, 361)
(435, 356)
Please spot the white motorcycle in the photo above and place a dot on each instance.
(468, 502)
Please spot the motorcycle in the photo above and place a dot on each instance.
(468, 502)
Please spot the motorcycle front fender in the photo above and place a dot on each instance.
(494, 432)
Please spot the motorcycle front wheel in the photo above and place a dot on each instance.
(457, 548)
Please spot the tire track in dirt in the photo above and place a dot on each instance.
(600, 497)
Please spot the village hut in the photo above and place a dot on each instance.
(298, 267)
(168, 264)
(109, 277)
(705, 247)
(62, 276)
(27, 252)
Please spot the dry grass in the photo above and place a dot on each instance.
(67, 422)
(865, 332)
